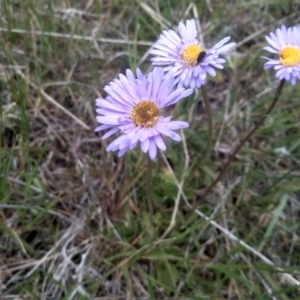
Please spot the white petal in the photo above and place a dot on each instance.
(110, 132)
(145, 145)
(160, 142)
(152, 149)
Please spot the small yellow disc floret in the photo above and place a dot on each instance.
(189, 55)
(145, 114)
(289, 56)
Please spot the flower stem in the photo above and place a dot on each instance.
(206, 102)
(247, 137)
(210, 121)
(148, 187)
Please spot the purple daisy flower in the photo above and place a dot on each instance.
(184, 55)
(134, 106)
(285, 44)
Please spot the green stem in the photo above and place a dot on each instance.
(200, 159)
(247, 137)
(149, 186)
(210, 120)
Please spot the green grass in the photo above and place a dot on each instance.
(74, 219)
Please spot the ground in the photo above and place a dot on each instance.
(75, 221)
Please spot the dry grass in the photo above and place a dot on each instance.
(74, 219)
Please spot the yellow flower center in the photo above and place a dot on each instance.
(189, 55)
(145, 114)
(289, 56)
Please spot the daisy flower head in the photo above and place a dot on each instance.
(185, 56)
(134, 108)
(285, 44)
